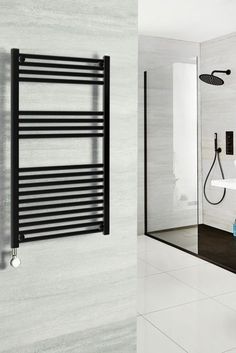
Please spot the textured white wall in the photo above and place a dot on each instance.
(218, 106)
(157, 56)
(73, 294)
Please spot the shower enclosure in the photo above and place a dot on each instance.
(171, 153)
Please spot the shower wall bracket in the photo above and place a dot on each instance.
(83, 190)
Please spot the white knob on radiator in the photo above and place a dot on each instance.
(15, 261)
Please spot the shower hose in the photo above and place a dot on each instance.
(216, 157)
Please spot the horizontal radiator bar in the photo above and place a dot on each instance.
(60, 73)
(61, 205)
(59, 235)
(59, 58)
(59, 220)
(54, 191)
(60, 167)
(62, 112)
(58, 198)
(59, 175)
(55, 228)
(58, 213)
(38, 136)
(59, 121)
(58, 128)
(62, 66)
(55, 80)
(61, 182)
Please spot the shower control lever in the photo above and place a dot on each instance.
(229, 139)
(218, 150)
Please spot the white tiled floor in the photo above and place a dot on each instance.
(185, 304)
(163, 291)
(165, 258)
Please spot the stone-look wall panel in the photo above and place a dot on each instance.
(73, 294)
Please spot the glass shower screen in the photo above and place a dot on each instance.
(172, 153)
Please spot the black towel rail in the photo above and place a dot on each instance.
(81, 193)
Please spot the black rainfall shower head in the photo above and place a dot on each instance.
(212, 79)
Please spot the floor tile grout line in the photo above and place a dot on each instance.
(172, 270)
(207, 296)
(203, 263)
(225, 293)
(171, 339)
(225, 305)
(154, 274)
(162, 273)
(191, 266)
(148, 263)
(154, 268)
(179, 280)
(174, 306)
(187, 303)
(188, 285)
(196, 288)
(229, 350)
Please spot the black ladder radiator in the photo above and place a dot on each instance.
(58, 201)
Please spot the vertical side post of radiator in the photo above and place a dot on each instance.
(106, 145)
(145, 155)
(14, 148)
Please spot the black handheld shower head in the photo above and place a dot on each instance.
(212, 79)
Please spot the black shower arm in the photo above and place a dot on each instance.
(227, 72)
